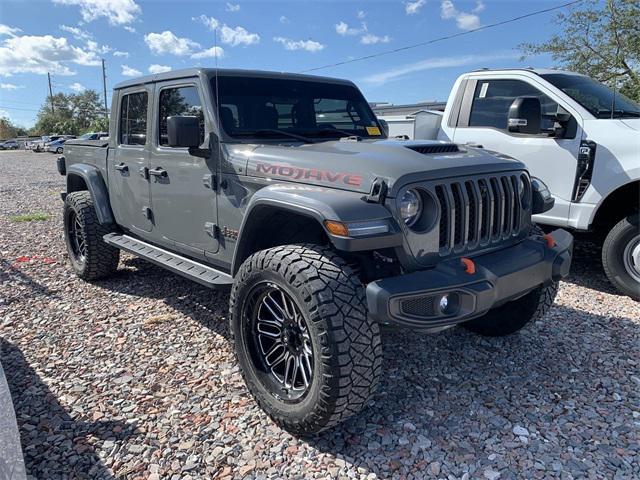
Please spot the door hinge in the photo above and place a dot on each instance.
(210, 181)
(378, 191)
(211, 229)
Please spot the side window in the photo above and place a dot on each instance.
(492, 99)
(133, 119)
(181, 101)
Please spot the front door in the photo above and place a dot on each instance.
(127, 163)
(182, 185)
(553, 160)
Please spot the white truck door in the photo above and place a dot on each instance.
(482, 120)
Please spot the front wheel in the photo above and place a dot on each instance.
(308, 353)
(59, 150)
(515, 315)
(621, 256)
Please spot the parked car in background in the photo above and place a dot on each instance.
(93, 136)
(56, 146)
(9, 145)
(579, 137)
(40, 145)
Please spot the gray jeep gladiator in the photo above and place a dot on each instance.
(286, 188)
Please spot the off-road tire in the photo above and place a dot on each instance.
(346, 344)
(100, 259)
(517, 314)
(613, 251)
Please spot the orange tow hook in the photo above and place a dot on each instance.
(550, 241)
(469, 266)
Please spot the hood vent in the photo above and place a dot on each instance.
(436, 148)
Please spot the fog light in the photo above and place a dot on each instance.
(449, 304)
(444, 303)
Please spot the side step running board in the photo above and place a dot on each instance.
(198, 272)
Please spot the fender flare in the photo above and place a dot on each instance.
(319, 204)
(97, 188)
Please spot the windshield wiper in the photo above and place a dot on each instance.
(343, 133)
(606, 113)
(266, 131)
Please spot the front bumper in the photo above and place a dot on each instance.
(414, 299)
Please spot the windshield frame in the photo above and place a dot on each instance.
(285, 139)
(557, 79)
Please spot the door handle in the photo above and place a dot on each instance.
(121, 167)
(158, 172)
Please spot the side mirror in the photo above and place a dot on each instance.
(183, 132)
(525, 115)
(385, 126)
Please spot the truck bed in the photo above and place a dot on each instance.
(91, 152)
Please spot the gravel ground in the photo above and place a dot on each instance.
(133, 377)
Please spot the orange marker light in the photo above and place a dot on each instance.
(337, 228)
(550, 241)
(469, 266)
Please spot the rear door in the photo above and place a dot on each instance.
(128, 166)
(483, 120)
(182, 185)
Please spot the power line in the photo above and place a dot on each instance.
(441, 39)
(84, 110)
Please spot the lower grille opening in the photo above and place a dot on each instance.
(419, 306)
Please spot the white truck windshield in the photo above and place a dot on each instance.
(599, 99)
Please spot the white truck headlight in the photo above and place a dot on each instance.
(410, 207)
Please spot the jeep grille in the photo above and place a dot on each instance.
(478, 212)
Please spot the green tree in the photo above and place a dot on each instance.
(72, 114)
(100, 124)
(9, 130)
(598, 39)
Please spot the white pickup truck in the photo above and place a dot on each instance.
(576, 135)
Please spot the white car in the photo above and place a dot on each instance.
(575, 134)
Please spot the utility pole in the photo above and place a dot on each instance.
(104, 86)
(50, 92)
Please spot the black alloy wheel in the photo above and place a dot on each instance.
(279, 342)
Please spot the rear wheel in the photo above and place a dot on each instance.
(59, 150)
(621, 256)
(306, 349)
(90, 257)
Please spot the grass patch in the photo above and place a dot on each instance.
(30, 217)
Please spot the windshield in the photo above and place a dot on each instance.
(599, 99)
(294, 110)
(86, 136)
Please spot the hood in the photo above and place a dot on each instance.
(354, 165)
(632, 123)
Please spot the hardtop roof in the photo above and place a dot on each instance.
(209, 72)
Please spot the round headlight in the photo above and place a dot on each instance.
(410, 207)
